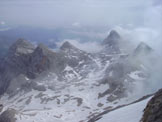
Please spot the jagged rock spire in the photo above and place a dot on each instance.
(142, 49)
(112, 38)
(111, 43)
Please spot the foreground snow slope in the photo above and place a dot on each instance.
(131, 113)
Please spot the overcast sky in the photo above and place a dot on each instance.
(52, 13)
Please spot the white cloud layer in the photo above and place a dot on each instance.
(88, 46)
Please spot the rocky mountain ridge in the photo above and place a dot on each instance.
(37, 81)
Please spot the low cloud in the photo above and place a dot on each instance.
(91, 47)
(136, 35)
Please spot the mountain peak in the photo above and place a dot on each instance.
(142, 48)
(22, 43)
(114, 34)
(111, 43)
(42, 46)
(67, 45)
(21, 46)
(43, 50)
(143, 45)
(112, 38)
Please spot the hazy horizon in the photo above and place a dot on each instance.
(62, 13)
(136, 21)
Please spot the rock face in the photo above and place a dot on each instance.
(8, 116)
(153, 110)
(15, 62)
(24, 60)
(40, 60)
(80, 61)
(111, 43)
(20, 47)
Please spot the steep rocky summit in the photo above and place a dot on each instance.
(15, 62)
(24, 60)
(111, 43)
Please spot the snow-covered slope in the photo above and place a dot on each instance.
(130, 113)
(63, 101)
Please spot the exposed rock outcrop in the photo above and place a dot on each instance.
(24, 60)
(40, 60)
(16, 62)
(77, 58)
(153, 110)
(8, 116)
